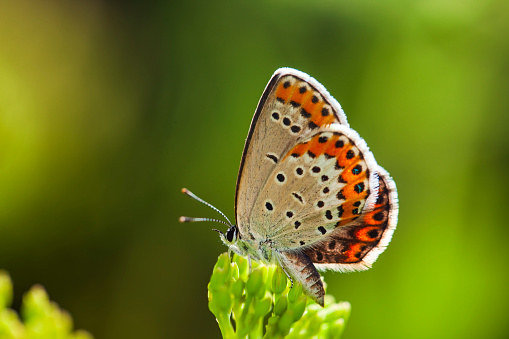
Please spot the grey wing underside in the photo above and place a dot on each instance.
(292, 106)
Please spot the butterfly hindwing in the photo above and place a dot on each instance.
(356, 246)
(322, 183)
(292, 105)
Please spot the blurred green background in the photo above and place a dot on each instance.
(107, 109)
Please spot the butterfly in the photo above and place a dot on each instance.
(310, 195)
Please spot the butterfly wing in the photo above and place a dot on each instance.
(308, 186)
(292, 106)
(325, 181)
(356, 246)
(352, 247)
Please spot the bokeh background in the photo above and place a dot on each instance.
(108, 108)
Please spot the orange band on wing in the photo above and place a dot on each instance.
(316, 147)
(367, 234)
(298, 150)
(284, 91)
(354, 252)
(375, 217)
(300, 97)
(312, 106)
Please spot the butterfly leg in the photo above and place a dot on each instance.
(288, 276)
(299, 267)
(249, 262)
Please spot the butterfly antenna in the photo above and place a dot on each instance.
(189, 219)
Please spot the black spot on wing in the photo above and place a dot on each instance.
(295, 129)
(305, 113)
(272, 157)
(298, 197)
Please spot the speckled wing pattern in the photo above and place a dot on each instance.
(309, 186)
(354, 247)
(322, 183)
(292, 105)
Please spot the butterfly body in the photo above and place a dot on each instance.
(297, 265)
(309, 194)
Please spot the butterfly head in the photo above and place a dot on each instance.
(230, 237)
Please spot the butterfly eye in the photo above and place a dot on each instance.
(231, 234)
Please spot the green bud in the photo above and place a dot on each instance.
(62, 319)
(262, 292)
(329, 299)
(35, 304)
(222, 298)
(214, 306)
(273, 321)
(272, 327)
(237, 289)
(10, 325)
(5, 290)
(285, 323)
(270, 276)
(281, 305)
(314, 308)
(223, 262)
(299, 306)
(336, 311)
(82, 335)
(279, 281)
(347, 308)
(335, 329)
(243, 266)
(263, 307)
(313, 320)
(249, 321)
(295, 292)
(256, 280)
(222, 271)
(324, 330)
(234, 268)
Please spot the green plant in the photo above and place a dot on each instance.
(41, 317)
(261, 304)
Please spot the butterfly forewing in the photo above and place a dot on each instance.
(322, 183)
(356, 246)
(292, 106)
